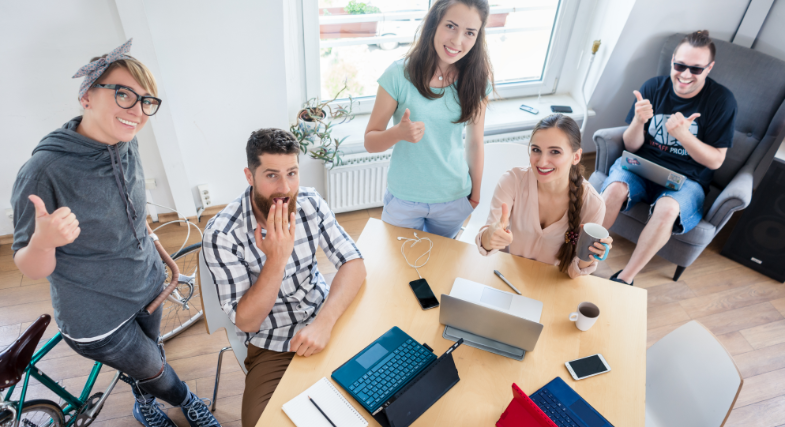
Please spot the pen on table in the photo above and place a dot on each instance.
(507, 282)
(320, 410)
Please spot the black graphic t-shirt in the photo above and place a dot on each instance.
(717, 107)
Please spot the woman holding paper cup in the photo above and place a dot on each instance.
(539, 212)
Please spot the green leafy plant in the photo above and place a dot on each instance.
(314, 128)
(361, 8)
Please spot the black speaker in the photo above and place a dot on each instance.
(758, 241)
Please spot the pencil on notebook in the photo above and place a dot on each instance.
(320, 410)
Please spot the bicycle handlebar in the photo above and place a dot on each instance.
(162, 296)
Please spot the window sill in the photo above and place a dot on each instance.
(502, 116)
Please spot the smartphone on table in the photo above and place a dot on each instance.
(422, 290)
(587, 367)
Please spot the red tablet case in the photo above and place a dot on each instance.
(523, 412)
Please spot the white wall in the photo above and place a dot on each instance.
(771, 38)
(42, 44)
(597, 20)
(636, 51)
(224, 66)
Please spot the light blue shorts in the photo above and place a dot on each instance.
(444, 219)
(690, 197)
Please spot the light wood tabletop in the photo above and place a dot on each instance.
(484, 391)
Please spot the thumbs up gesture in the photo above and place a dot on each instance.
(677, 125)
(643, 108)
(409, 130)
(53, 230)
(497, 236)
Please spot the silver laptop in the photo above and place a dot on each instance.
(652, 171)
(490, 319)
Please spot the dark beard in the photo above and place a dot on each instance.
(265, 203)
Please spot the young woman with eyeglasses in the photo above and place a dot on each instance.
(439, 89)
(80, 221)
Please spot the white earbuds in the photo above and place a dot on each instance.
(415, 241)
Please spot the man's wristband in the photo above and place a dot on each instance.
(155, 238)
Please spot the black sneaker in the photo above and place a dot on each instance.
(150, 414)
(197, 413)
(615, 278)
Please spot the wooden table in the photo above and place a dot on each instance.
(484, 391)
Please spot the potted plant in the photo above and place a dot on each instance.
(314, 127)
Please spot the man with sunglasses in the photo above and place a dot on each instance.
(683, 122)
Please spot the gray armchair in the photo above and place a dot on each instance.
(758, 83)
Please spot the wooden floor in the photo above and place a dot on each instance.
(744, 309)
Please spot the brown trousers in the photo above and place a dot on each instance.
(265, 369)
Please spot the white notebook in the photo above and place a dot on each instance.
(303, 414)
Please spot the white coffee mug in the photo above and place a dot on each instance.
(586, 315)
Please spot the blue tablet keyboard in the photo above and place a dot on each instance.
(391, 372)
(555, 410)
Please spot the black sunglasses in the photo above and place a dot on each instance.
(126, 98)
(693, 70)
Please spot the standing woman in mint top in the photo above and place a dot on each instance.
(80, 221)
(440, 87)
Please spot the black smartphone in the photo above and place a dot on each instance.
(422, 290)
(561, 108)
(528, 109)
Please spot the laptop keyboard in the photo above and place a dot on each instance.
(390, 373)
(554, 409)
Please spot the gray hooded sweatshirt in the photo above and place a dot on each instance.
(112, 270)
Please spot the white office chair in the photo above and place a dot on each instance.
(691, 380)
(499, 158)
(216, 319)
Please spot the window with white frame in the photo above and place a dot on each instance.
(352, 42)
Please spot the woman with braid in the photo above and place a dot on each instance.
(537, 212)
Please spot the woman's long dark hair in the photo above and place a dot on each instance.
(474, 69)
(573, 132)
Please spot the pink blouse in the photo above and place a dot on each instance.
(518, 188)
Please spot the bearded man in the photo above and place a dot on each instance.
(261, 252)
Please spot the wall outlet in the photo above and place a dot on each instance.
(149, 184)
(9, 213)
(204, 196)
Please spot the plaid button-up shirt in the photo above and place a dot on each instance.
(235, 263)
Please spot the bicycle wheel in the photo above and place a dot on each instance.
(36, 413)
(184, 306)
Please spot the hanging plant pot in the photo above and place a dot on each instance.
(307, 121)
(315, 123)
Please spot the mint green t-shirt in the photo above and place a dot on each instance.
(434, 170)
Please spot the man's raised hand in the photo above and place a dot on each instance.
(643, 108)
(677, 124)
(279, 242)
(409, 130)
(53, 230)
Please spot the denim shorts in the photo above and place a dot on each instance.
(444, 219)
(690, 197)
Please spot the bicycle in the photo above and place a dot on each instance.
(183, 307)
(20, 358)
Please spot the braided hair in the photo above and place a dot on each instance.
(573, 132)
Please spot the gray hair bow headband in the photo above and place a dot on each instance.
(94, 69)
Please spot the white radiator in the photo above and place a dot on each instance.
(360, 182)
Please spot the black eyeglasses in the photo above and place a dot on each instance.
(693, 70)
(126, 98)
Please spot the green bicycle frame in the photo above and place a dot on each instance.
(73, 403)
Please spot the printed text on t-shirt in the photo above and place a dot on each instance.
(662, 140)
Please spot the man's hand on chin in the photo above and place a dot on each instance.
(311, 339)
